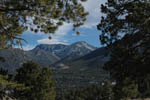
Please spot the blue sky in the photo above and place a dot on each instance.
(65, 35)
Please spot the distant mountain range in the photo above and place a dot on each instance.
(63, 51)
(72, 65)
(44, 54)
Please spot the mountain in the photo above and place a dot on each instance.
(52, 48)
(63, 51)
(16, 57)
(44, 54)
(78, 64)
(74, 51)
(44, 58)
(96, 58)
(82, 71)
(81, 48)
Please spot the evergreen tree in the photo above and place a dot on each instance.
(93, 92)
(3, 71)
(36, 15)
(28, 73)
(107, 93)
(125, 90)
(45, 87)
(9, 85)
(125, 29)
(37, 80)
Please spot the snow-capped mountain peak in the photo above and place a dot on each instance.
(63, 51)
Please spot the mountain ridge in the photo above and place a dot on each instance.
(63, 51)
(44, 54)
(79, 64)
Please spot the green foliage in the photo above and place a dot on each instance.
(125, 29)
(107, 93)
(125, 17)
(38, 16)
(2, 59)
(38, 81)
(125, 90)
(6, 84)
(94, 92)
(3, 72)
(44, 87)
(28, 73)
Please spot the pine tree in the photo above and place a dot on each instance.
(107, 93)
(38, 82)
(125, 30)
(126, 90)
(45, 87)
(38, 16)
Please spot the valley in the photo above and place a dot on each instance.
(75, 65)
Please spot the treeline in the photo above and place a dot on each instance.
(33, 82)
(91, 92)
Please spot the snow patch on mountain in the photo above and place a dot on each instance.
(63, 51)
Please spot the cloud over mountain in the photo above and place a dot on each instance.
(92, 20)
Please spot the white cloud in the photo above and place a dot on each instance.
(63, 30)
(28, 47)
(93, 7)
(57, 38)
(52, 41)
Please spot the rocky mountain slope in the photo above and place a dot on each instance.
(82, 71)
(44, 54)
(63, 51)
(16, 57)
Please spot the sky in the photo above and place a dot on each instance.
(65, 35)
